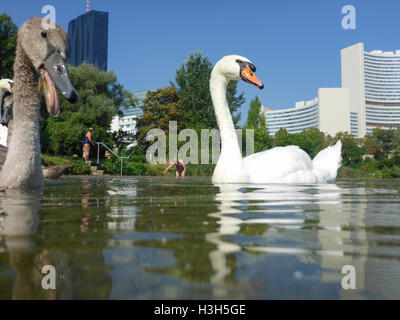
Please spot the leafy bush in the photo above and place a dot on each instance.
(139, 167)
(79, 167)
(200, 170)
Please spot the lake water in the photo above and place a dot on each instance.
(162, 238)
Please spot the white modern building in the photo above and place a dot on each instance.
(128, 121)
(369, 98)
(373, 79)
(329, 112)
(294, 120)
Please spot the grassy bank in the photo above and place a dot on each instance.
(349, 172)
(79, 167)
(138, 167)
(368, 170)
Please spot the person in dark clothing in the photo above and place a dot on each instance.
(86, 144)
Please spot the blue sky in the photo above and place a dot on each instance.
(294, 44)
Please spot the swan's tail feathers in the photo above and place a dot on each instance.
(327, 162)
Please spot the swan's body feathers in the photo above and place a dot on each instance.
(278, 163)
(293, 165)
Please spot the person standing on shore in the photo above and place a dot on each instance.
(86, 145)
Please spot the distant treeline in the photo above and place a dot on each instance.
(377, 155)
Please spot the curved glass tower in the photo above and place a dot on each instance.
(369, 98)
(294, 120)
(382, 89)
(373, 79)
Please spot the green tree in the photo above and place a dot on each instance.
(396, 143)
(256, 120)
(385, 139)
(311, 141)
(159, 108)
(100, 96)
(352, 149)
(262, 140)
(283, 138)
(372, 146)
(8, 44)
(193, 86)
(254, 115)
(121, 139)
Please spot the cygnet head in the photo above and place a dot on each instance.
(46, 48)
(235, 68)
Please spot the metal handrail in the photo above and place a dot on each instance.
(98, 154)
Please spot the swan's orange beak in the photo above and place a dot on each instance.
(249, 76)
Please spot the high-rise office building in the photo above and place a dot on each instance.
(369, 98)
(88, 40)
(329, 112)
(373, 80)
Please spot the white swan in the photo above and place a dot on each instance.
(5, 87)
(278, 165)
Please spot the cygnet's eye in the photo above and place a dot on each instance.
(44, 34)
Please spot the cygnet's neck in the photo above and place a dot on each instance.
(22, 166)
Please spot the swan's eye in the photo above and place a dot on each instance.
(44, 34)
(241, 64)
(252, 67)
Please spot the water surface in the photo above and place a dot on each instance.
(162, 238)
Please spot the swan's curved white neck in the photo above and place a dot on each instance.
(230, 166)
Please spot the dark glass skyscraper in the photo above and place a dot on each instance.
(88, 39)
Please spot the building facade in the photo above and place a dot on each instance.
(329, 112)
(127, 122)
(369, 98)
(294, 120)
(373, 79)
(88, 40)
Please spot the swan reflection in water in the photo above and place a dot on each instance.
(264, 211)
(33, 237)
(18, 225)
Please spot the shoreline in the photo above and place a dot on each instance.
(204, 177)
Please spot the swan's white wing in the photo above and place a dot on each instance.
(280, 165)
(327, 162)
(293, 165)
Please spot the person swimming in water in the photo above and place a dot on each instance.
(179, 166)
(86, 144)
